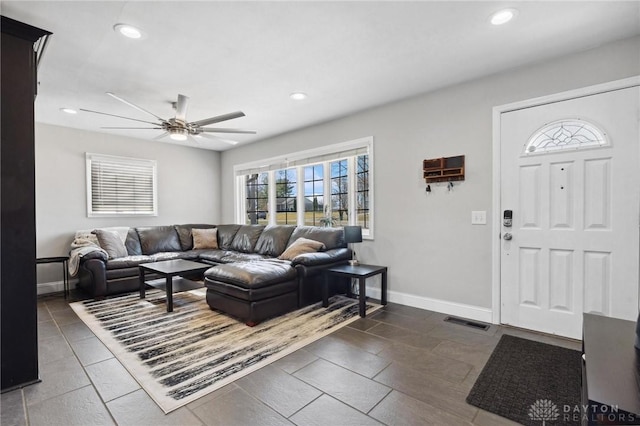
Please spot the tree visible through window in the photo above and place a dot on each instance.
(286, 197)
(327, 186)
(362, 191)
(313, 194)
(340, 192)
(257, 187)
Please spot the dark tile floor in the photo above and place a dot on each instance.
(400, 366)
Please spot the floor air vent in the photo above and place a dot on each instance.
(467, 323)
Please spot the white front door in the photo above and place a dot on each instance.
(575, 203)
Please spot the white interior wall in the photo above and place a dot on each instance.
(436, 258)
(188, 188)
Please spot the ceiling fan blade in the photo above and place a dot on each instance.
(218, 119)
(124, 101)
(133, 128)
(181, 108)
(120, 116)
(161, 136)
(222, 130)
(215, 138)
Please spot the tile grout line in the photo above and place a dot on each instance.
(25, 409)
(92, 384)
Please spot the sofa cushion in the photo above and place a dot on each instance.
(212, 255)
(301, 246)
(185, 235)
(226, 234)
(111, 242)
(155, 239)
(251, 294)
(128, 262)
(252, 274)
(205, 238)
(169, 255)
(246, 238)
(331, 237)
(191, 255)
(132, 243)
(234, 256)
(274, 239)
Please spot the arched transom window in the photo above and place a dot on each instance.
(565, 135)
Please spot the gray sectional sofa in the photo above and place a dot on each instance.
(247, 280)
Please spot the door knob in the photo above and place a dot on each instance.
(507, 236)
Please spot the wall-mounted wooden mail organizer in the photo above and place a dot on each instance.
(445, 169)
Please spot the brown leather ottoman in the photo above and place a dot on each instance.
(252, 291)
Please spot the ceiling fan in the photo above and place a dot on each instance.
(178, 128)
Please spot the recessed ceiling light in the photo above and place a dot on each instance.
(69, 110)
(127, 30)
(298, 96)
(503, 16)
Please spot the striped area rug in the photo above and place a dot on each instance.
(181, 356)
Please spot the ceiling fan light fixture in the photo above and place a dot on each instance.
(128, 31)
(298, 96)
(178, 134)
(503, 16)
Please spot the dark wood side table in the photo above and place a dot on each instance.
(610, 392)
(361, 272)
(169, 269)
(65, 269)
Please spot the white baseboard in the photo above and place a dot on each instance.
(53, 287)
(450, 308)
(476, 313)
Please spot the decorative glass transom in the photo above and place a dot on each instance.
(565, 135)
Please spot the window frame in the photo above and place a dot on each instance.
(348, 177)
(325, 155)
(128, 161)
(275, 198)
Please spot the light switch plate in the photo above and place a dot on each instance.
(479, 217)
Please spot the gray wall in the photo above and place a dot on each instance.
(436, 258)
(188, 187)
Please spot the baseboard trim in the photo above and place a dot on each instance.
(462, 310)
(443, 306)
(53, 287)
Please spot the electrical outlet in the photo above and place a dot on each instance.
(479, 217)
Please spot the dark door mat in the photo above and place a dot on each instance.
(531, 383)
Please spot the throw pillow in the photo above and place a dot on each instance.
(205, 238)
(301, 246)
(111, 242)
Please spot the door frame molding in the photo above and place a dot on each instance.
(496, 228)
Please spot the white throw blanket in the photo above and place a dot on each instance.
(81, 247)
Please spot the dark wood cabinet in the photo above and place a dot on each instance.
(18, 310)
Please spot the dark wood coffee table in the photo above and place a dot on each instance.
(172, 281)
(361, 272)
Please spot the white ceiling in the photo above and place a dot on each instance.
(249, 56)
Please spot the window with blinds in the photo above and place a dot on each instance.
(120, 186)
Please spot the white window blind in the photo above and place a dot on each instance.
(120, 186)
